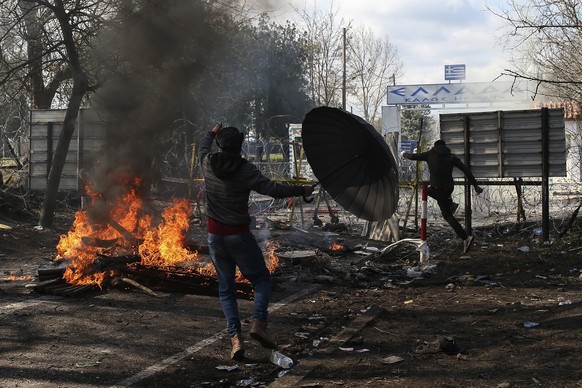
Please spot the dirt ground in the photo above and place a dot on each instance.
(508, 314)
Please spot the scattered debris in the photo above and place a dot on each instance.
(228, 368)
(391, 360)
(413, 272)
(135, 284)
(87, 364)
(446, 345)
(530, 324)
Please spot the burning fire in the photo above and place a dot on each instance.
(335, 247)
(165, 244)
(125, 231)
(271, 259)
(128, 230)
(13, 278)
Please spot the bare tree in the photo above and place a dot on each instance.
(373, 62)
(545, 37)
(44, 49)
(324, 32)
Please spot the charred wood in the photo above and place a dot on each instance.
(82, 289)
(99, 243)
(50, 273)
(133, 283)
(48, 283)
(57, 289)
(176, 279)
(70, 290)
(103, 263)
(131, 239)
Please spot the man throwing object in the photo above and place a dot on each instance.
(441, 162)
(229, 179)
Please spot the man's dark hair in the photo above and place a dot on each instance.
(440, 143)
(230, 139)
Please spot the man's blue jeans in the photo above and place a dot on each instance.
(242, 251)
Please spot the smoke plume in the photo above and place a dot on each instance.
(159, 49)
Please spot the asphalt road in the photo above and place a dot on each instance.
(116, 338)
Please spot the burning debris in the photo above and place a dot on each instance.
(133, 246)
(128, 229)
(142, 245)
(335, 246)
(12, 277)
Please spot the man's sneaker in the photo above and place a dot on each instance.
(467, 243)
(238, 350)
(259, 333)
(454, 207)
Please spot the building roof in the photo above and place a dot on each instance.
(572, 109)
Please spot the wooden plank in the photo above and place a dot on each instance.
(40, 286)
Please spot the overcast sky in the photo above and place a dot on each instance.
(427, 33)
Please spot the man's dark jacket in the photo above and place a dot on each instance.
(440, 162)
(229, 179)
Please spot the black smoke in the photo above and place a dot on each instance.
(153, 54)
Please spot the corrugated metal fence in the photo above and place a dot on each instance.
(45, 129)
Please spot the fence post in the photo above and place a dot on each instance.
(423, 216)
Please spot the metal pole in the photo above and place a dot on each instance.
(344, 58)
(417, 177)
(468, 211)
(545, 174)
(49, 148)
(423, 217)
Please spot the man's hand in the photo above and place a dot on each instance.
(307, 190)
(406, 155)
(478, 189)
(217, 127)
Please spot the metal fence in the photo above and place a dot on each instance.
(505, 203)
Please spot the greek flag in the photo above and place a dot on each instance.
(454, 72)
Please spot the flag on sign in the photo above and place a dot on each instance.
(454, 72)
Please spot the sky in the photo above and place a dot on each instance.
(428, 34)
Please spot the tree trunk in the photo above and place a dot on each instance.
(35, 49)
(80, 86)
(60, 154)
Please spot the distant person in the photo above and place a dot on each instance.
(440, 162)
(229, 179)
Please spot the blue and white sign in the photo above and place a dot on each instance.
(408, 145)
(454, 72)
(456, 93)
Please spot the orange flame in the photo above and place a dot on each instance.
(161, 245)
(165, 245)
(335, 246)
(12, 277)
(271, 259)
(128, 231)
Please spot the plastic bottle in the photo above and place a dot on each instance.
(282, 360)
